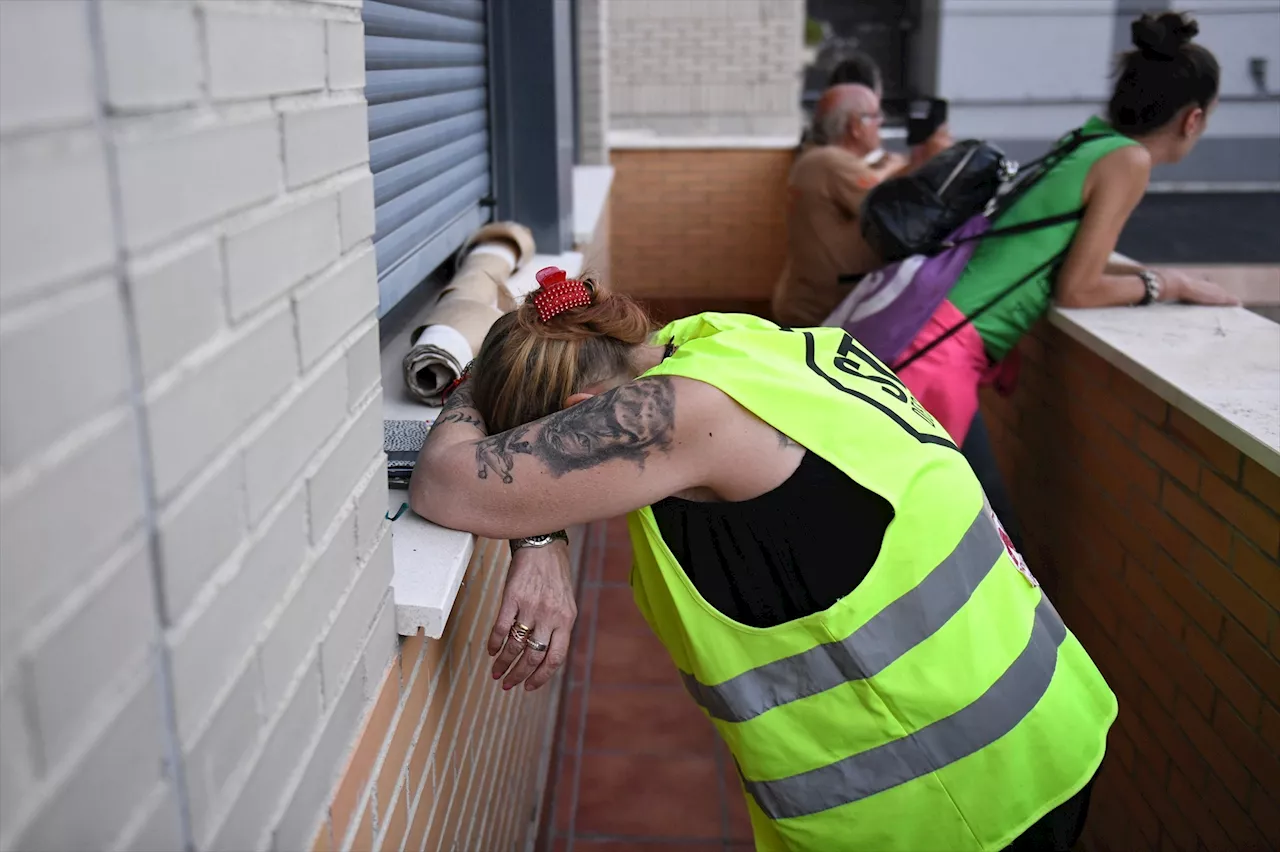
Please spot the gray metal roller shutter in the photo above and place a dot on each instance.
(427, 87)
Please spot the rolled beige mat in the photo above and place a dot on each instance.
(465, 309)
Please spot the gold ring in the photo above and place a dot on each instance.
(535, 645)
(520, 632)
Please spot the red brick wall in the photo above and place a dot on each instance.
(446, 759)
(1160, 544)
(699, 225)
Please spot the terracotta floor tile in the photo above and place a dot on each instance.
(571, 707)
(735, 798)
(580, 640)
(618, 610)
(632, 658)
(658, 720)
(617, 564)
(739, 820)
(563, 798)
(648, 796)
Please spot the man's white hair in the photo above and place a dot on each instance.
(830, 127)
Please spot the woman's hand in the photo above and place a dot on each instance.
(1181, 287)
(538, 595)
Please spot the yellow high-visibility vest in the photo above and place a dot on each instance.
(940, 705)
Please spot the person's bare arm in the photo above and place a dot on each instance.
(1118, 264)
(1116, 184)
(603, 457)
(1094, 274)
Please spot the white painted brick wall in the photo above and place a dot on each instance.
(247, 824)
(193, 561)
(593, 81)
(49, 43)
(356, 617)
(710, 67)
(223, 747)
(178, 304)
(294, 635)
(70, 680)
(333, 304)
(364, 368)
(199, 412)
(172, 182)
(275, 457)
(341, 466)
(267, 258)
(44, 374)
(55, 207)
(346, 54)
(152, 51)
(42, 563)
(356, 211)
(253, 55)
(198, 530)
(319, 142)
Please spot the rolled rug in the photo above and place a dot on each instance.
(442, 349)
(466, 308)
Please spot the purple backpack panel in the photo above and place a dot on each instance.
(886, 309)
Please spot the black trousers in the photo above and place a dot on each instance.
(1058, 830)
(978, 452)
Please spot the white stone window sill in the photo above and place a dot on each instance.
(647, 140)
(429, 560)
(1219, 366)
(591, 185)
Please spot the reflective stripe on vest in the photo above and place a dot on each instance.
(993, 715)
(886, 637)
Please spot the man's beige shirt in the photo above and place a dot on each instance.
(825, 190)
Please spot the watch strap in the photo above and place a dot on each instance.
(1152, 284)
(539, 540)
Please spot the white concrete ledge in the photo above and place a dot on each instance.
(1220, 366)
(591, 185)
(642, 140)
(429, 561)
(648, 140)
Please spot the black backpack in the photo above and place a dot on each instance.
(915, 213)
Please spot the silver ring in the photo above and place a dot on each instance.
(535, 645)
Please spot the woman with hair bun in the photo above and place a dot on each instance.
(1165, 92)
(811, 548)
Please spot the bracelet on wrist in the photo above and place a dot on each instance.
(539, 540)
(1152, 283)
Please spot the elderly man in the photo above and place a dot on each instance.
(825, 190)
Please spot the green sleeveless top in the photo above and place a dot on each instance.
(999, 262)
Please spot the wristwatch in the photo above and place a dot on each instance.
(539, 540)
(1152, 282)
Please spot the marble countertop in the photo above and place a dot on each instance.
(1221, 366)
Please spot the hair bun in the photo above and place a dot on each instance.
(1162, 36)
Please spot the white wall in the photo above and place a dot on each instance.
(194, 602)
(1032, 69)
(705, 67)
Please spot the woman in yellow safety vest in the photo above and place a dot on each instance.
(811, 548)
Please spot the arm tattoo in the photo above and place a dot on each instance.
(460, 408)
(784, 441)
(625, 423)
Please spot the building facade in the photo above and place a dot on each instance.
(209, 214)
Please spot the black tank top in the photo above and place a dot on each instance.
(788, 553)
